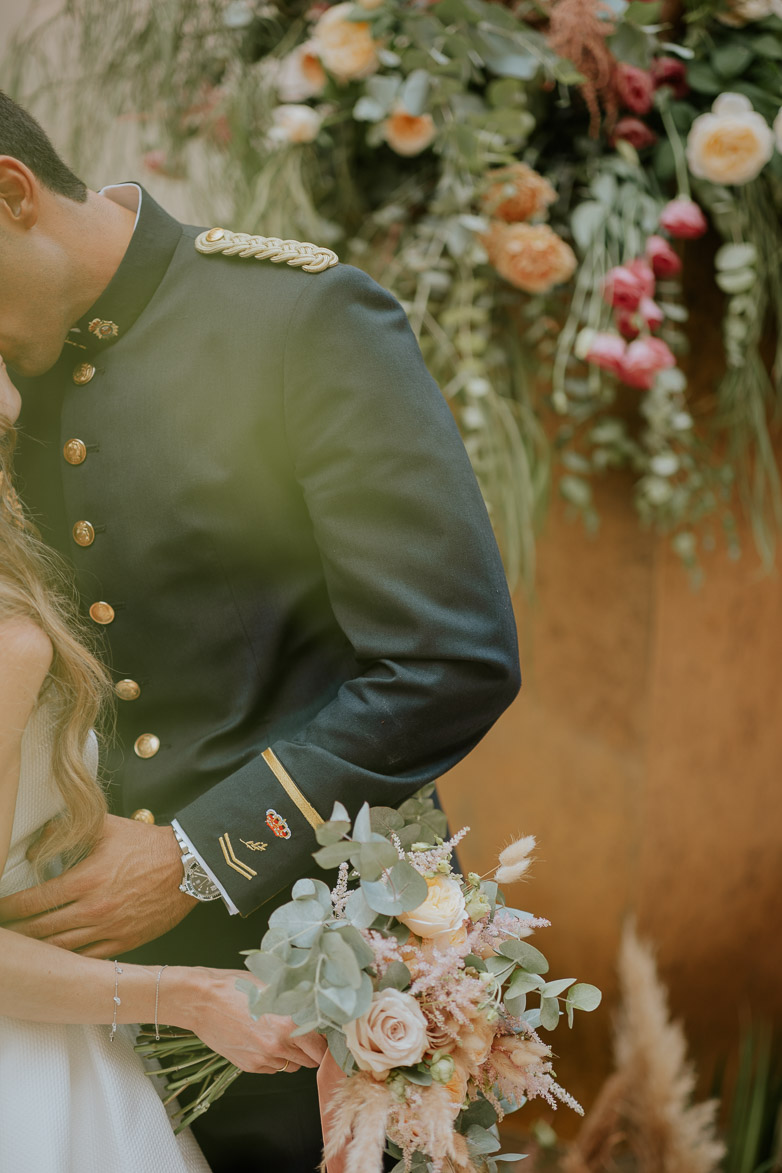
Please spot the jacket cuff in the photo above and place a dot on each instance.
(255, 831)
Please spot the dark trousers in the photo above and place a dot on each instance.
(264, 1124)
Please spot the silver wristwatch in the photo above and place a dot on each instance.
(195, 881)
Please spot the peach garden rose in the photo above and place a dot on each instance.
(730, 145)
(530, 256)
(408, 134)
(345, 47)
(391, 1034)
(517, 193)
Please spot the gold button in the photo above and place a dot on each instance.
(83, 373)
(102, 613)
(142, 815)
(147, 745)
(215, 234)
(83, 533)
(75, 452)
(127, 690)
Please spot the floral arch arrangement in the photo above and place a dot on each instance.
(524, 176)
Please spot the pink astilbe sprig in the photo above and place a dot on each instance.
(428, 862)
(385, 949)
(448, 996)
(340, 893)
(503, 927)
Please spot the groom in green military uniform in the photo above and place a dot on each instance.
(274, 524)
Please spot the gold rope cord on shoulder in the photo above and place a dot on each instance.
(302, 254)
(291, 789)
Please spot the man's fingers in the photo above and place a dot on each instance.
(34, 901)
(101, 949)
(50, 924)
(77, 940)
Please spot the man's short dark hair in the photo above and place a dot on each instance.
(22, 138)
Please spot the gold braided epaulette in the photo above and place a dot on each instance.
(312, 258)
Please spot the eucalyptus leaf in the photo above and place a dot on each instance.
(481, 1140)
(735, 256)
(526, 955)
(532, 1018)
(352, 937)
(415, 91)
(333, 854)
(368, 109)
(302, 920)
(340, 1050)
(396, 977)
(385, 819)
(403, 890)
(584, 996)
(383, 88)
(516, 1004)
(417, 1075)
(357, 911)
(549, 1013)
(276, 941)
(338, 966)
(375, 858)
(523, 983)
(553, 989)
(338, 1003)
(332, 831)
(362, 829)
(586, 221)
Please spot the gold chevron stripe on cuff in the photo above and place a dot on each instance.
(238, 865)
(291, 789)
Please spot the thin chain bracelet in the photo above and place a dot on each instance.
(117, 1001)
(157, 1001)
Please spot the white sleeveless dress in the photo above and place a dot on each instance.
(70, 1102)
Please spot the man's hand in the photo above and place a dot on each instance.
(125, 893)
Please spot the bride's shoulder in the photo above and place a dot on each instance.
(25, 652)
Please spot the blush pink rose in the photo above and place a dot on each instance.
(628, 324)
(634, 87)
(669, 71)
(651, 313)
(683, 219)
(645, 275)
(391, 1034)
(622, 288)
(664, 261)
(607, 351)
(635, 132)
(642, 361)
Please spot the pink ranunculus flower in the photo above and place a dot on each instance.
(643, 359)
(635, 132)
(671, 72)
(391, 1034)
(651, 313)
(635, 87)
(622, 288)
(641, 269)
(607, 351)
(683, 219)
(664, 261)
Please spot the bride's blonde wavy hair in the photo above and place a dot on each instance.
(35, 583)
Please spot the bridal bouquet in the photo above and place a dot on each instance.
(420, 979)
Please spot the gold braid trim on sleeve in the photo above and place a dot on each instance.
(312, 258)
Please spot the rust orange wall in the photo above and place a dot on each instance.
(644, 752)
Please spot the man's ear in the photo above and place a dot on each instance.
(19, 194)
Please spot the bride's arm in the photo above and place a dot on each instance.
(43, 983)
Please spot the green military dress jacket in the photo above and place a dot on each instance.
(275, 525)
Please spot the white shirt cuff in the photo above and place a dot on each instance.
(229, 904)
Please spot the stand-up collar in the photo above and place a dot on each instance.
(152, 245)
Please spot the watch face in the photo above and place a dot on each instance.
(198, 884)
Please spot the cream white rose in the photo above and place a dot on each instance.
(730, 145)
(345, 46)
(294, 124)
(301, 74)
(441, 915)
(392, 1033)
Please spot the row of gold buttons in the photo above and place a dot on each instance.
(75, 453)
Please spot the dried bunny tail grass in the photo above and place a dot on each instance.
(357, 1118)
(645, 1108)
(515, 860)
(577, 32)
(425, 1124)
